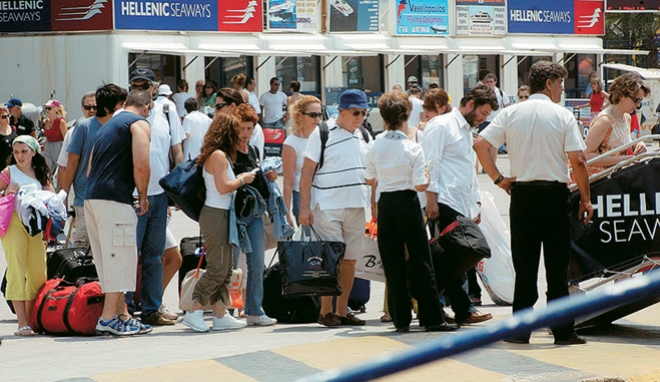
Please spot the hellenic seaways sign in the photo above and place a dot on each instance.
(25, 16)
(186, 15)
(556, 16)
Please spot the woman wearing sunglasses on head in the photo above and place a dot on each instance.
(611, 127)
(7, 135)
(54, 130)
(306, 113)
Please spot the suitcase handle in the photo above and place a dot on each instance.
(199, 263)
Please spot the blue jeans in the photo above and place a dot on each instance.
(254, 294)
(151, 245)
(295, 204)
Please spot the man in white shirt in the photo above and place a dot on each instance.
(334, 196)
(250, 86)
(166, 137)
(454, 189)
(416, 114)
(273, 106)
(195, 126)
(542, 137)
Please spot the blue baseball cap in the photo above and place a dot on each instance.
(14, 102)
(353, 98)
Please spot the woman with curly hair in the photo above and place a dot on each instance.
(218, 151)
(611, 127)
(54, 131)
(238, 83)
(25, 254)
(306, 115)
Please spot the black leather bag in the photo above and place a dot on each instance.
(71, 264)
(310, 268)
(185, 186)
(458, 248)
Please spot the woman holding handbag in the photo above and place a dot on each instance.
(25, 254)
(398, 164)
(250, 216)
(218, 151)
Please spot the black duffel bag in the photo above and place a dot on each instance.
(310, 268)
(184, 185)
(71, 264)
(458, 248)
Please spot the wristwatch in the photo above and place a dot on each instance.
(499, 179)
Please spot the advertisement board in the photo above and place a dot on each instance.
(300, 15)
(353, 15)
(25, 16)
(240, 15)
(422, 17)
(81, 15)
(633, 5)
(480, 17)
(180, 15)
(556, 17)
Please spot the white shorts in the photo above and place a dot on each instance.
(111, 227)
(170, 241)
(346, 225)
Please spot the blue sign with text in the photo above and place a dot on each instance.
(541, 16)
(422, 17)
(186, 15)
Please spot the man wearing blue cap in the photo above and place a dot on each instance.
(22, 124)
(333, 196)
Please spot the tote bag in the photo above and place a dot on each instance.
(185, 186)
(6, 207)
(310, 268)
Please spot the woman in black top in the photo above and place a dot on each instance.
(7, 135)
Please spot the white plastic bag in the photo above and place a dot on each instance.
(496, 273)
(369, 266)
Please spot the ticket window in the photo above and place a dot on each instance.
(364, 73)
(165, 67)
(525, 65)
(305, 70)
(427, 69)
(579, 68)
(221, 70)
(475, 66)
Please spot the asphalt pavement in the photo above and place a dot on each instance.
(628, 350)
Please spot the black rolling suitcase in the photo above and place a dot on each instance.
(71, 264)
(191, 249)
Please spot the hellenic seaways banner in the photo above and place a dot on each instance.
(626, 222)
(556, 16)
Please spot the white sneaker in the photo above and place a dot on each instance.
(227, 322)
(167, 313)
(260, 320)
(195, 321)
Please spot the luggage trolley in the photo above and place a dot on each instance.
(623, 238)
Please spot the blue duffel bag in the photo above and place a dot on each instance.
(184, 185)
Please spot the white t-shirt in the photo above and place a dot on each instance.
(213, 197)
(180, 100)
(397, 162)
(538, 134)
(195, 124)
(258, 140)
(340, 183)
(298, 145)
(161, 141)
(417, 109)
(502, 100)
(254, 101)
(274, 106)
(63, 158)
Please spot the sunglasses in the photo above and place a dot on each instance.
(219, 106)
(637, 100)
(144, 86)
(199, 86)
(523, 97)
(358, 112)
(208, 87)
(313, 115)
(89, 107)
(5, 116)
(48, 108)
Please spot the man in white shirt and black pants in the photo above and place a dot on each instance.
(454, 189)
(334, 196)
(542, 137)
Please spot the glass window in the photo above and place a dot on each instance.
(164, 66)
(303, 69)
(524, 65)
(433, 71)
(221, 69)
(475, 66)
(363, 73)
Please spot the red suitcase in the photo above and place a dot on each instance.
(63, 308)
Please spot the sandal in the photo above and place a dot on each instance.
(386, 318)
(25, 331)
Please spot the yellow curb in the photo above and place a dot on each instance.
(180, 371)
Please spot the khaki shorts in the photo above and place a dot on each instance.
(111, 227)
(345, 225)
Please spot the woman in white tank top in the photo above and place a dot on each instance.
(213, 286)
(26, 270)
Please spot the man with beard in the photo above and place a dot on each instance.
(454, 189)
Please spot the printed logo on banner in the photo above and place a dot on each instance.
(25, 16)
(541, 16)
(78, 15)
(480, 17)
(240, 16)
(353, 15)
(184, 15)
(589, 17)
(422, 17)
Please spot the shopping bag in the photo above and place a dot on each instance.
(184, 185)
(369, 265)
(235, 289)
(188, 286)
(6, 210)
(496, 273)
(269, 231)
(310, 268)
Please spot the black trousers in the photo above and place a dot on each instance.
(454, 289)
(541, 215)
(401, 226)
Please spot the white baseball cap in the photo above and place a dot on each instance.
(164, 89)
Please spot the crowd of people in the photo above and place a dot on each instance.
(422, 168)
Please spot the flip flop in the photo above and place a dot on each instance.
(25, 331)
